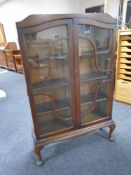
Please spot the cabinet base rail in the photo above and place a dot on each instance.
(40, 144)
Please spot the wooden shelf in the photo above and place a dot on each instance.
(38, 87)
(90, 98)
(53, 125)
(125, 71)
(125, 76)
(52, 83)
(125, 60)
(126, 43)
(92, 77)
(125, 54)
(126, 49)
(93, 116)
(126, 36)
(125, 66)
(45, 42)
(45, 108)
(40, 62)
(99, 52)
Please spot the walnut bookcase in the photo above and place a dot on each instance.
(69, 70)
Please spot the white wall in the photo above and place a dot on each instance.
(16, 10)
(124, 11)
(112, 7)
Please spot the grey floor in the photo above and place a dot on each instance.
(91, 154)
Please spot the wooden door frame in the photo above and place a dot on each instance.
(76, 23)
(41, 27)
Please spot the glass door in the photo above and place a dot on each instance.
(48, 63)
(95, 68)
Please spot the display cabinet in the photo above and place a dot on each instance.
(69, 69)
(6, 57)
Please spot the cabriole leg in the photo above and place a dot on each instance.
(40, 161)
(111, 129)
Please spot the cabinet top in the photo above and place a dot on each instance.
(38, 19)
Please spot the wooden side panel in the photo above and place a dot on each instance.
(18, 61)
(10, 60)
(123, 67)
(123, 91)
(3, 62)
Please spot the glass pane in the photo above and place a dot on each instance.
(94, 48)
(98, 112)
(94, 99)
(94, 55)
(48, 66)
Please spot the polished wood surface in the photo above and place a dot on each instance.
(33, 20)
(3, 61)
(6, 55)
(10, 57)
(69, 70)
(123, 67)
(18, 61)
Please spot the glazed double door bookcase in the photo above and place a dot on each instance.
(69, 70)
